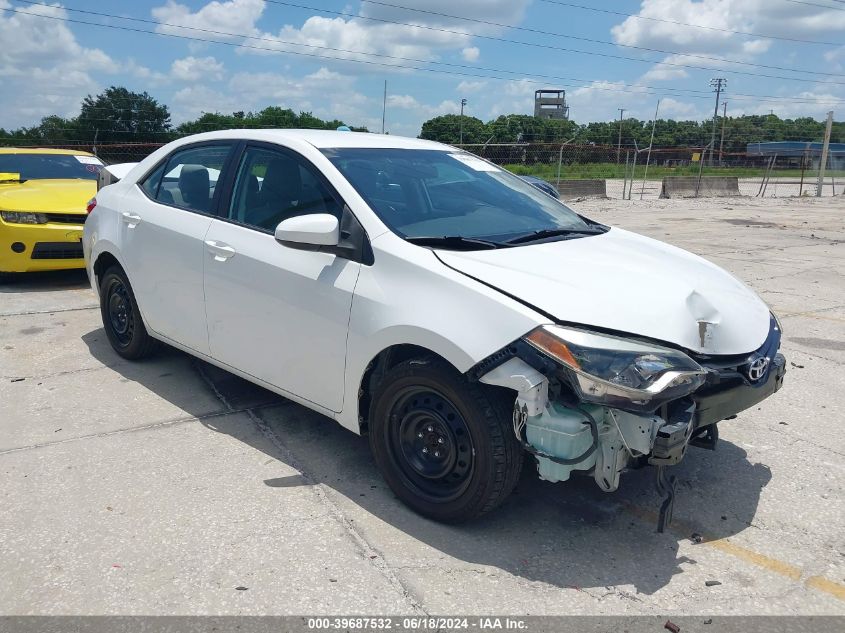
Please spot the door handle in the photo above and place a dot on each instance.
(131, 219)
(221, 251)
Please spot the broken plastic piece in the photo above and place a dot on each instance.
(666, 486)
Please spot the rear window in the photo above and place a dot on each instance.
(51, 166)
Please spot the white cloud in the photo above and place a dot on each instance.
(501, 11)
(469, 87)
(406, 102)
(197, 69)
(231, 16)
(471, 53)
(750, 16)
(43, 69)
(420, 35)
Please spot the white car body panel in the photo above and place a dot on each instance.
(293, 335)
(308, 324)
(164, 249)
(628, 283)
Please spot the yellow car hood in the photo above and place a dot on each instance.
(54, 196)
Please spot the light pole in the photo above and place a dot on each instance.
(619, 146)
(718, 84)
(463, 103)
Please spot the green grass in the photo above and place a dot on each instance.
(611, 170)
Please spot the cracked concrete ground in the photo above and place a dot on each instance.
(171, 487)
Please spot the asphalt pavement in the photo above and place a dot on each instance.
(171, 487)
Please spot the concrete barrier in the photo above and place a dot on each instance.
(710, 187)
(570, 189)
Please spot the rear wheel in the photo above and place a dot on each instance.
(121, 317)
(444, 445)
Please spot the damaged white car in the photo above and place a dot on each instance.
(415, 293)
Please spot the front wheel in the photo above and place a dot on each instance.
(444, 445)
(121, 317)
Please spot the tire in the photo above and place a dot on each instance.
(444, 445)
(121, 318)
(8, 278)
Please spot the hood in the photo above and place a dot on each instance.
(53, 196)
(629, 283)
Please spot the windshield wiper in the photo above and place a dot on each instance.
(454, 242)
(546, 233)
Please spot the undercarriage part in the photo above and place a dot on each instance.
(666, 486)
(707, 437)
(669, 448)
(672, 439)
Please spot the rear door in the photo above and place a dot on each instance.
(163, 225)
(277, 313)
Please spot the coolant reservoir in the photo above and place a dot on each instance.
(563, 433)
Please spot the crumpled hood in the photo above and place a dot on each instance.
(626, 282)
(52, 196)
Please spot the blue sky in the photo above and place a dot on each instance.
(312, 56)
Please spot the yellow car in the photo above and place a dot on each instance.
(43, 198)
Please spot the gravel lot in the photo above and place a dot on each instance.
(170, 487)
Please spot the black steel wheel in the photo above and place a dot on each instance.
(431, 443)
(121, 317)
(443, 444)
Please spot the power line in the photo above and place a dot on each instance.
(816, 4)
(644, 91)
(596, 41)
(695, 26)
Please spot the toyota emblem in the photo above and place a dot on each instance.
(757, 368)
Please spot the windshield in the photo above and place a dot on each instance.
(440, 193)
(44, 166)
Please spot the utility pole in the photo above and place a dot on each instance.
(722, 141)
(825, 149)
(718, 84)
(463, 103)
(619, 145)
(384, 106)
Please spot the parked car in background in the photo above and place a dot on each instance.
(423, 296)
(43, 199)
(543, 185)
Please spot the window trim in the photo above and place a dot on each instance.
(229, 188)
(232, 145)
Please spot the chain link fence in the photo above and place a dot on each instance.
(639, 173)
(625, 172)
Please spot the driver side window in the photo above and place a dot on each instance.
(272, 186)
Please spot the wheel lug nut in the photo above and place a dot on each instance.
(437, 453)
(425, 450)
(419, 435)
(440, 440)
(430, 429)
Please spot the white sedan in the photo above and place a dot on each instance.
(427, 298)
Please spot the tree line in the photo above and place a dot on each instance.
(119, 115)
(739, 131)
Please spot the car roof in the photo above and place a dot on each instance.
(43, 150)
(326, 138)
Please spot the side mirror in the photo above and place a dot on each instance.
(309, 231)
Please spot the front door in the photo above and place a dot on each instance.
(274, 312)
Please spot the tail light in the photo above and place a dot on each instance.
(91, 204)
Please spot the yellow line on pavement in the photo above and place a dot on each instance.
(772, 564)
(683, 529)
(828, 586)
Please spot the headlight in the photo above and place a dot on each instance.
(23, 217)
(616, 371)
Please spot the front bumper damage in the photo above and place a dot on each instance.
(566, 435)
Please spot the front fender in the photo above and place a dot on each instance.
(408, 297)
